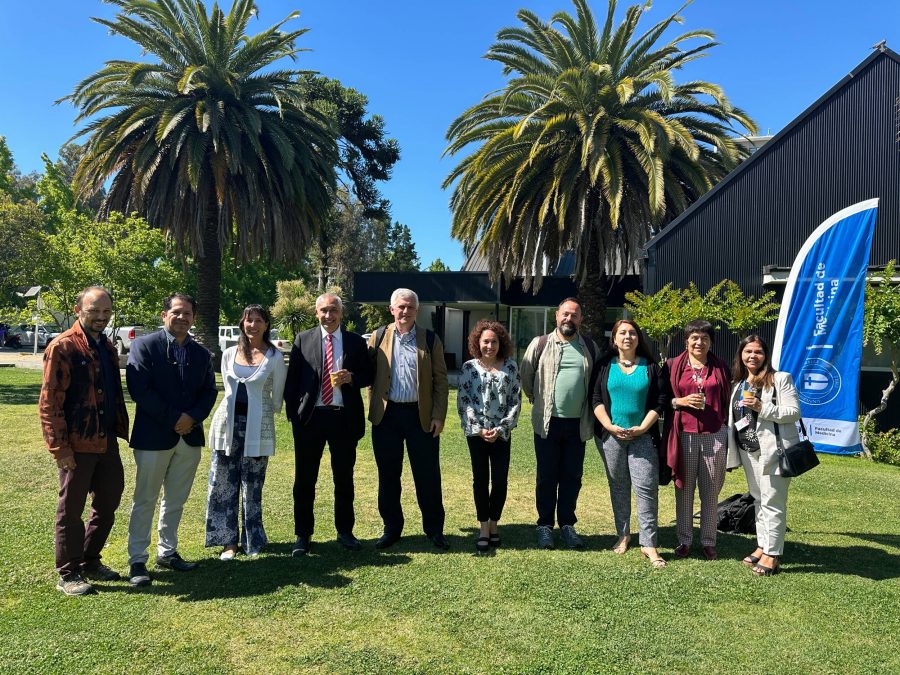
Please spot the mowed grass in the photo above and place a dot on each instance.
(834, 609)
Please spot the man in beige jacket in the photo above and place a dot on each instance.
(408, 403)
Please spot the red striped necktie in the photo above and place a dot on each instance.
(327, 389)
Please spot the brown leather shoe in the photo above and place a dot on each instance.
(682, 551)
(710, 552)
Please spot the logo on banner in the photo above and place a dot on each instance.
(819, 382)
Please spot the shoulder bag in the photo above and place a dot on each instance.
(798, 458)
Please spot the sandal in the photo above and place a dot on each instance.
(658, 562)
(482, 545)
(763, 571)
(751, 560)
(622, 545)
(494, 540)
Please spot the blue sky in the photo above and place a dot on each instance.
(420, 65)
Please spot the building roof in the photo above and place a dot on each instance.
(770, 146)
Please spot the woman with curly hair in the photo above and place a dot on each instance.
(488, 403)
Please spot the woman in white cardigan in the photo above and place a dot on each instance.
(242, 437)
(762, 398)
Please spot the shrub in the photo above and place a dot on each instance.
(884, 445)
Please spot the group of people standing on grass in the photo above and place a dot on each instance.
(713, 419)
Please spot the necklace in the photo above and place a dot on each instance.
(627, 363)
(697, 375)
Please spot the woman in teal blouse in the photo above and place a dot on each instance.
(630, 395)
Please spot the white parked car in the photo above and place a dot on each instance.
(229, 335)
(26, 335)
(123, 336)
(283, 345)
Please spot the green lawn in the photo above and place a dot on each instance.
(834, 609)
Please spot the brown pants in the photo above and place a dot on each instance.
(100, 475)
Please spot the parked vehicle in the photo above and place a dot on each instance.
(284, 346)
(122, 336)
(228, 337)
(24, 335)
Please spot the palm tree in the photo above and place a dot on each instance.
(209, 141)
(590, 147)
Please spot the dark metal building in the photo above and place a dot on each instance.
(843, 149)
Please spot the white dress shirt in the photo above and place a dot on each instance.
(337, 350)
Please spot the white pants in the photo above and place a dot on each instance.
(171, 471)
(770, 493)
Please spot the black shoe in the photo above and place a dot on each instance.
(482, 544)
(387, 540)
(301, 547)
(440, 541)
(100, 572)
(494, 540)
(349, 542)
(570, 536)
(139, 576)
(545, 537)
(173, 561)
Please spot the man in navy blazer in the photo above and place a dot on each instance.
(324, 410)
(171, 379)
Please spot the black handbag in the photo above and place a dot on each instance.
(798, 458)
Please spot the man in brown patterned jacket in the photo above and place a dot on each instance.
(82, 411)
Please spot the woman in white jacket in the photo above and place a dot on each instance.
(761, 399)
(242, 437)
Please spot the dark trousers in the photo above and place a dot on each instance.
(325, 426)
(490, 476)
(100, 475)
(401, 423)
(560, 465)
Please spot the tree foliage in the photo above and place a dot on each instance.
(55, 187)
(663, 314)
(295, 307)
(366, 154)
(22, 249)
(438, 265)
(18, 187)
(741, 314)
(881, 331)
(123, 254)
(253, 282)
(210, 139)
(590, 147)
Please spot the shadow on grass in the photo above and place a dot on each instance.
(324, 567)
(20, 394)
(892, 540)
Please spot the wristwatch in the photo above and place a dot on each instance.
(674, 405)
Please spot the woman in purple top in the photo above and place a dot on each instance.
(697, 434)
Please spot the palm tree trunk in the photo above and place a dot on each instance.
(209, 283)
(592, 294)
